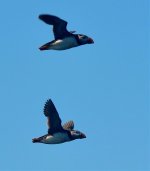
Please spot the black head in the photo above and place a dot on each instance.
(77, 134)
(85, 39)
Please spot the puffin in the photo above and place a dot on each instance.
(57, 133)
(63, 39)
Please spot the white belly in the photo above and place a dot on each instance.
(56, 138)
(66, 43)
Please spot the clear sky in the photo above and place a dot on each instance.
(103, 87)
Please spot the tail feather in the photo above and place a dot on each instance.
(35, 140)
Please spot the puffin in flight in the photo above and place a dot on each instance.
(56, 132)
(64, 39)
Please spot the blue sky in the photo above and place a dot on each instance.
(103, 87)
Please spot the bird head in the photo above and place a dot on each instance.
(85, 39)
(77, 134)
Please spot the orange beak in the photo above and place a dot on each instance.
(90, 40)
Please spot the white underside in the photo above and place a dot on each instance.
(66, 43)
(56, 138)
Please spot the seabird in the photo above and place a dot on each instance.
(56, 132)
(64, 39)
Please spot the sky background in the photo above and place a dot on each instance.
(103, 87)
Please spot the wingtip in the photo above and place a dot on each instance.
(49, 100)
(42, 16)
(47, 103)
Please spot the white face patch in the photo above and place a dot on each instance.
(66, 43)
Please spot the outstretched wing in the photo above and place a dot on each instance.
(54, 121)
(59, 25)
(68, 125)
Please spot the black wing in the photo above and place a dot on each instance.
(68, 125)
(54, 121)
(59, 25)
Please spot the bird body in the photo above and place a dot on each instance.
(56, 138)
(63, 39)
(62, 44)
(56, 132)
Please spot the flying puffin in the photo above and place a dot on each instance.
(56, 132)
(63, 38)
